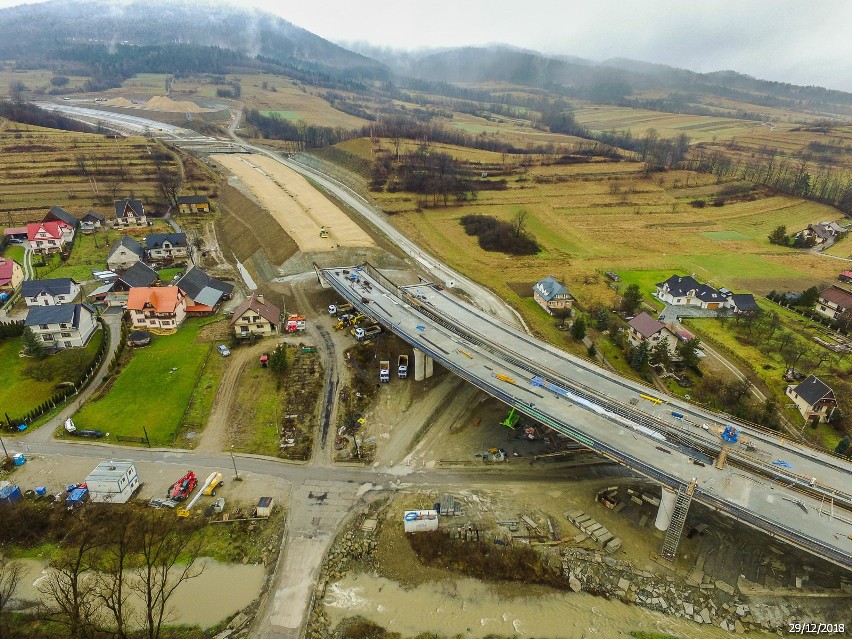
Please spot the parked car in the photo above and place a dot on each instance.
(224, 351)
(15, 240)
(89, 432)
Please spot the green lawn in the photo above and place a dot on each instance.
(264, 410)
(152, 390)
(647, 280)
(20, 394)
(167, 274)
(725, 235)
(15, 252)
(284, 115)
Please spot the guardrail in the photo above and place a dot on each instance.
(791, 535)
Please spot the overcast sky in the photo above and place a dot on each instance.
(786, 40)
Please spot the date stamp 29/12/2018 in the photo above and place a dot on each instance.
(814, 628)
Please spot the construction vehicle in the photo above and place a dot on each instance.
(213, 481)
(356, 318)
(323, 232)
(402, 366)
(295, 323)
(342, 322)
(512, 419)
(384, 371)
(181, 489)
(363, 334)
(334, 309)
(264, 360)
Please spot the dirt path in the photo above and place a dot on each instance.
(295, 204)
(214, 439)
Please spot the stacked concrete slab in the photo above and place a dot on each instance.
(591, 529)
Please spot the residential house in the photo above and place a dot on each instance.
(62, 290)
(845, 277)
(124, 253)
(140, 275)
(743, 303)
(822, 232)
(166, 247)
(814, 399)
(158, 307)
(130, 213)
(58, 214)
(686, 291)
(47, 237)
(834, 302)
(11, 275)
(203, 293)
(193, 204)
(91, 222)
(255, 316)
(62, 326)
(552, 295)
(644, 328)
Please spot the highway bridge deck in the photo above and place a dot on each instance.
(802, 499)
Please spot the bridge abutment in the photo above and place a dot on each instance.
(423, 366)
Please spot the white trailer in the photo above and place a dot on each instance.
(113, 482)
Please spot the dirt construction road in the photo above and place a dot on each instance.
(297, 206)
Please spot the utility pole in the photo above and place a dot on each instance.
(5, 452)
(234, 462)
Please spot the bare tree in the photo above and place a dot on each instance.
(70, 591)
(519, 222)
(114, 567)
(10, 574)
(167, 551)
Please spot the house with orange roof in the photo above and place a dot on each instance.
(157, 307)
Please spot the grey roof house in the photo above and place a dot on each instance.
(551, 294)
(203, 292)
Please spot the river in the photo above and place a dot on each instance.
(471, 608)
(219, 592)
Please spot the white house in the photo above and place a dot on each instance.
(129, 213)
(63, 326)
(166, 247)
(48, 237)
(644, 328)
(62, 290)
(686, 291)
(124, 253)
(834, 302)
(814, 399)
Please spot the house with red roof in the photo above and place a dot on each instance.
(11, 275)
(48, 237)
(156, 307)
(845, 277)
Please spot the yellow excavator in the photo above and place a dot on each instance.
(323, 232)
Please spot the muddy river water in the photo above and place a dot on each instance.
(220, 591)
(474, 609)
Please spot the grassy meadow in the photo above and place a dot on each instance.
(154, 388)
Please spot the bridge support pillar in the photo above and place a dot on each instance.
(682, 501)
(664, 512)
(423, 366)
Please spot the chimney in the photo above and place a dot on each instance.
(259, 297)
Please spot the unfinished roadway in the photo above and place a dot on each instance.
(785, 489)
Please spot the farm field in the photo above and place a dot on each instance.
(35, 80)
(80, 172)
(514, 132)
(606, 216)
(281, 94)
(20, 394)
(153, 389)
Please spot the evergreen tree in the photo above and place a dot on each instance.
(578, 328)
(33, 346)
(631, 300)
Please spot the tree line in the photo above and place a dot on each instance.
(769, 168)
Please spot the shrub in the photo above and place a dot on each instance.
(698, 204)
(499, 236)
